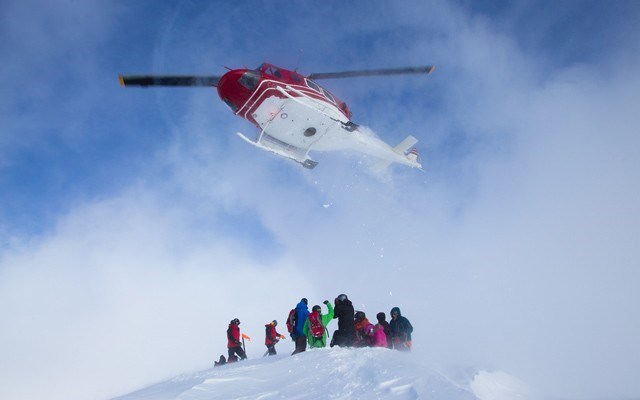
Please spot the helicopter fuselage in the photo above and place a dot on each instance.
(295, 115)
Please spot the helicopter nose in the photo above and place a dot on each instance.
(236, 87)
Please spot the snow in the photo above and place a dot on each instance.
(499, 385)
(332, 373)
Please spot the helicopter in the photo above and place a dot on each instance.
(293, 113)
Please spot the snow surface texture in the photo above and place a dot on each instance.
(371, 373)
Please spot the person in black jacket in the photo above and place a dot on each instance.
(346, 333)
(400, 330)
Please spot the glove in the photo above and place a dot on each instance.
(326, 302)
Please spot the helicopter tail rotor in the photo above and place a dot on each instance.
(373, 72)
(168, 80)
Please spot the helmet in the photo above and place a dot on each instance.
(316, 308)
(235, 321)
(305, 301)
(360, 315)
(342, 297)
(274, 322)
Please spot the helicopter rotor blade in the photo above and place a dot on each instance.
(373, 72)
(168, 80)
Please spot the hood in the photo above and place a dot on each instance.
(302, 306)
(396, 309)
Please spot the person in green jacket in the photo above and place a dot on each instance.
(315, 327)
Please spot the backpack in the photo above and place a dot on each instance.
(267, 333)
(221, 361)
(315, 325)
(291, 320)
(230, 335)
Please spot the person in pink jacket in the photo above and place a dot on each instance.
(379, 337)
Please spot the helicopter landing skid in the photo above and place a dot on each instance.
(273, 145)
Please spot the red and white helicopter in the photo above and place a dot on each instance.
(293, 113)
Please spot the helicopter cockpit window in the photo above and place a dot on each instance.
(250, 79)
(329, 96)
(313, 85)
(232, 106)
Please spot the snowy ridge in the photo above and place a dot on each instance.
(316, 374)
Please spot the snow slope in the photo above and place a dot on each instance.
(371, 373)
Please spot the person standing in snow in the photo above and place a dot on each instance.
(302, 313)
(364, 330)
(271, 337)
(382, 322)
(315, 329)
(346, 332)
(233, 344)
(400, 330)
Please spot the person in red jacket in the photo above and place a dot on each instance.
(364, 330)
(234, 345)
(272, 337)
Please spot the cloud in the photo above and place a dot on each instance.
(123, 289)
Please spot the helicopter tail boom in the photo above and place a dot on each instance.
(400, 150)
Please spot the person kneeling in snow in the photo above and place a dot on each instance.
(315, 328)
(221, 361)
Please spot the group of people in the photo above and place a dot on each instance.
(354, 329)
(309, 328)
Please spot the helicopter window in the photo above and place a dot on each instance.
(313, 85)
(329, 96)
(250, 80)
(232, 106)
(295, 77)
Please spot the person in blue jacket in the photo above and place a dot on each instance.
(401, 330)
(302, 313)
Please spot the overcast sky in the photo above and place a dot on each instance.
(134, 224)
